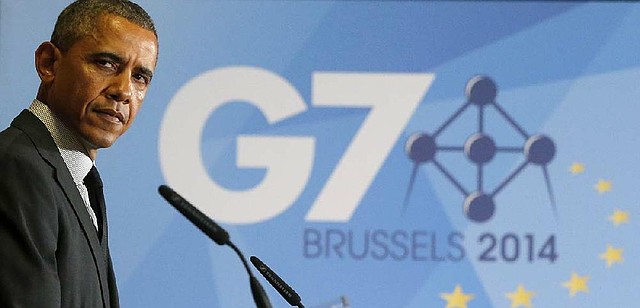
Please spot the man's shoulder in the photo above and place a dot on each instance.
(17, 145)
(23, 171)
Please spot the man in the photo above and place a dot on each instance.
(94, 75)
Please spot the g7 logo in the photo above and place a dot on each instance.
(288, 160)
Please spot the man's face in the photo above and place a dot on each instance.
(98, 85)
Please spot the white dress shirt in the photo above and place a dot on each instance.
(71, 149)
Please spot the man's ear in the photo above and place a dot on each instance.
(46, 61)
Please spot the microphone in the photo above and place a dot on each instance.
(202, 221)
(282, 287)
(217, 234)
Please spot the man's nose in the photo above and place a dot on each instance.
(120, 88)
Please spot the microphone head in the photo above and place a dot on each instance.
(282, 287)
(199, 219)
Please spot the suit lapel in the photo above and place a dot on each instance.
(45, 145)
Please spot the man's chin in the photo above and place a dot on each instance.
(93, 143)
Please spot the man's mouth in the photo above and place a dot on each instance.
(111, 115)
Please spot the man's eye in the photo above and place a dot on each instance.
(106, 64)
(141, 78)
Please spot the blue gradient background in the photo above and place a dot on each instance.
(569, 70)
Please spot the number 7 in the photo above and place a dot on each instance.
(393, 98)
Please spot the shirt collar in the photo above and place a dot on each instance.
(71, 149)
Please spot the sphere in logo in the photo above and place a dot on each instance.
(480, 148)
(539, 149)
(479, 207)
(421, 148)
(481, 90)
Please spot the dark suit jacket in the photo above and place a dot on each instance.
(50, 254)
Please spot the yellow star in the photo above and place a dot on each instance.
(576, 284)
(619, 217)
(576, 168)
(521, 297)
(603, 186)
(612, 255)
(457, 299)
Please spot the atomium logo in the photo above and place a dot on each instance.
(480, 148)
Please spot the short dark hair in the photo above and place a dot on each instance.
(80, 19)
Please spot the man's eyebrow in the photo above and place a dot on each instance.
(109, 55)
(115, 58)
(145, 71)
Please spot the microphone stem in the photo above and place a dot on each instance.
(244, 261)
(259, 295)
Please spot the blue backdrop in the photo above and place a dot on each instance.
(392, 154)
